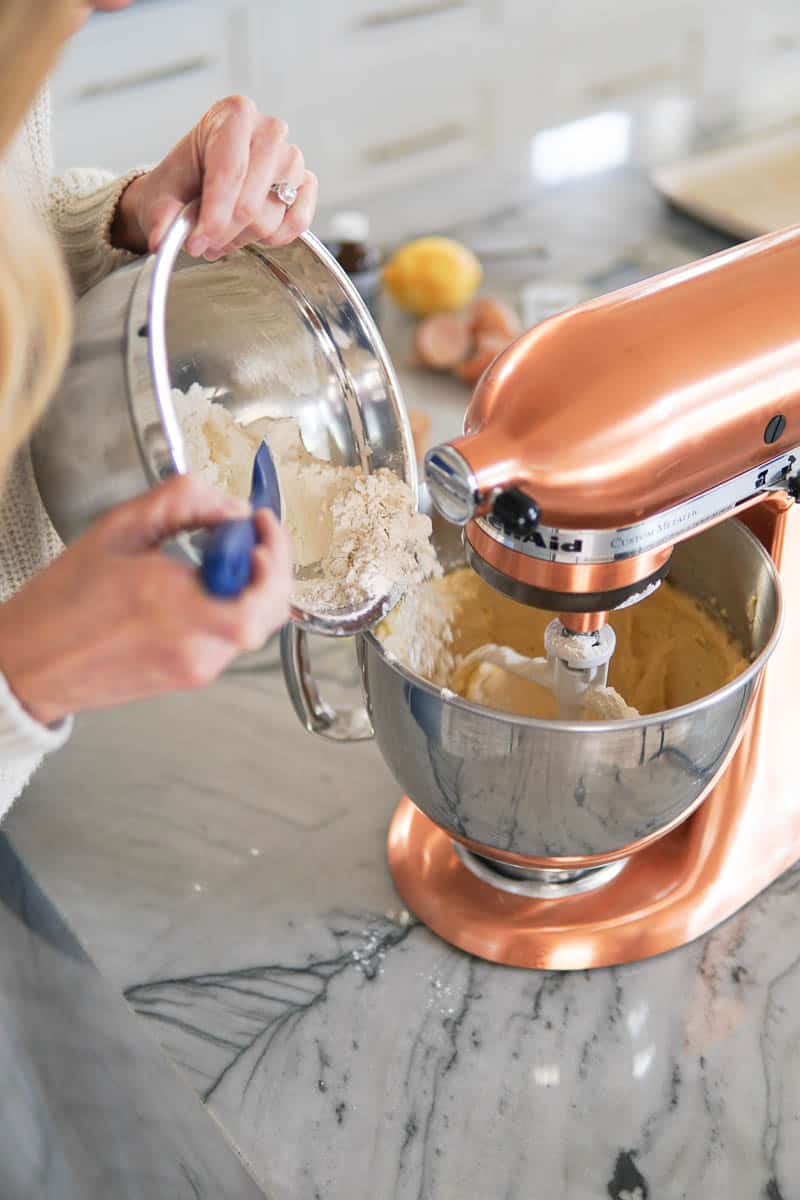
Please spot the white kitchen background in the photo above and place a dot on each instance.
(381, 93)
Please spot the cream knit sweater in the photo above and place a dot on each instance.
(80, 208)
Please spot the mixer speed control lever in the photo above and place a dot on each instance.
(515, 513)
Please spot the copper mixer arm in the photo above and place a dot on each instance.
(606, 434)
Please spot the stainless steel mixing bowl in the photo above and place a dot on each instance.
(278, 332)
(555, 790)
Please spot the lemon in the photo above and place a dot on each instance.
(432, 274)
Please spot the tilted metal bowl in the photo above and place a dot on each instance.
(279, 332)
(537, 789)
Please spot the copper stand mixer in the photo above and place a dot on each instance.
(654, 430)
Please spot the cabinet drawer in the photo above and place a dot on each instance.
(370, 22)
(120, 52)
(771, 62)
(132, 83)
(618, 64)
(379, 143)
(136, 124)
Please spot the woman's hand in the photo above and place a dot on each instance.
(113, 619)
(231, 159)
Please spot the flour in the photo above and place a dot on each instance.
(379, 545)
(219, 450)
(420, 635)
(605, 704)
(356, 538)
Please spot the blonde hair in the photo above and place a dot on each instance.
(35, 309)
(35, 325)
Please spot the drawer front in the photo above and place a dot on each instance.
(615, 63)
(370, 25)
(134, 125)
(120, 52)
(586, 58)
(771, 62)
(132, 83)
(370, 143)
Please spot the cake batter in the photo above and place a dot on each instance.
(462, 634)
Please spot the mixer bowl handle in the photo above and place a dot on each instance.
(344, 725)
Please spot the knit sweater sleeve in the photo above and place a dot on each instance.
(23, 742)
(81, 208)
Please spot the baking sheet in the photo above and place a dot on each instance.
(744, 190)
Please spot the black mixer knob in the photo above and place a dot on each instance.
(516, 513)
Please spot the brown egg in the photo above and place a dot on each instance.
(487, 349)
(442, 341)
(488, 316)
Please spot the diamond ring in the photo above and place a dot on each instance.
(285, 192)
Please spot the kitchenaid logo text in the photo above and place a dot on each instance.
(548, 541)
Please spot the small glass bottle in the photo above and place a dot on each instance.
(349, 244)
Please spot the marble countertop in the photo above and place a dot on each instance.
(227, 871)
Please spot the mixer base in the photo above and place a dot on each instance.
(656, 901)
(670, 891)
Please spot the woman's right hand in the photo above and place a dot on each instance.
(114, 619)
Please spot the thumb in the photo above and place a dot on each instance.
(172, 184)
(183, 503)
(164, 211)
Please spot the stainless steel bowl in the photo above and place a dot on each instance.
(278, 332)
(557, 790)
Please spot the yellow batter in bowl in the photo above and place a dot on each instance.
(671, 649)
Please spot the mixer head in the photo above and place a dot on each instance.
(576, 571)
(607, 434)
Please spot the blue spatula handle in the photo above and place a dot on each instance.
(227, 559)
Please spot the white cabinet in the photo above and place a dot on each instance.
(378, 92)
(375, 91)
(574, 58)
(385, 92)
(752, 61)
(770, 88)
(370, 142)
(131, 83)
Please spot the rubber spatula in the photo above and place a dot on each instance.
(227, 568)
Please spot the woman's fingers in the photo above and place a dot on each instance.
(230, 159)
(266, 212)
(223, 146)
(270, 160)
(298, 218)
(184, 502)
(263, 608)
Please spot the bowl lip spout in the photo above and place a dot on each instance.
(632, 724)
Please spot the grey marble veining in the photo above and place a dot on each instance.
(404, 1069)
(227, 872)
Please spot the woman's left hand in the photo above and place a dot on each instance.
(230, 160)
